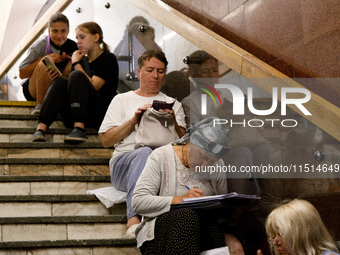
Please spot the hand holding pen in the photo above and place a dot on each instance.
(193, 192)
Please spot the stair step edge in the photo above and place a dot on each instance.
(119, 242)
(55, 178)
(55, 161)
(90, 219)
(49, 198)
(29, 130)
(48, 145)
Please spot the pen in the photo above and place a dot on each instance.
(187, 187)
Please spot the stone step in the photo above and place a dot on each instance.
(71, 247)
(44, 208)
(74, 167)
(56, 205)
(54, 166)
(51, 185)
(63, 228)
(25, 121)
(53, 150)
(61, 232)
(9, 123)
(64, 219)
(51, 145)
(55, 161)
(57, 178)
(49, 188)
(17, 107)
(48, 198)
(24, 134)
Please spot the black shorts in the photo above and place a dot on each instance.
(26, 91)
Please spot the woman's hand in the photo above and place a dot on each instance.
(65, 57)
(52, 73)
(77, 56)
(179, 130)
(139, 113)
(193, 192)
(55, 57)
(234, 245)
(259, 252)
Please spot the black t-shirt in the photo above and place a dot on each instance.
(106, 67)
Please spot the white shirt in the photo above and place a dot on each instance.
(122, 108)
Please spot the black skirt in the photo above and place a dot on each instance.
(188, 232)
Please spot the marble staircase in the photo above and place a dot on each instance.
(44, 208)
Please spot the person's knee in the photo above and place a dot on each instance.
(40, 74)
(144, 151)
(77, 80)
(59, 85)
(76, 76)
(186, 214)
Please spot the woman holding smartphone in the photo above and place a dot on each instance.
(58, 48)
(82, 100)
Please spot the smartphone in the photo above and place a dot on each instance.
(156, 104)
(47, 62)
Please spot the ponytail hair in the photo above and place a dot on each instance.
(93, 28)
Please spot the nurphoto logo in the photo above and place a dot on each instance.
(239, 104)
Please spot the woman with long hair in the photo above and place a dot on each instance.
(296, 228)
(83, 98)
(58, 48)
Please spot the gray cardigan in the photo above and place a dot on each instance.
(156, 187)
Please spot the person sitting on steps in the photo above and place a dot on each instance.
(83, 98)
(58, 48)
(119, 127)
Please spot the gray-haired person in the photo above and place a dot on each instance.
(168, 177)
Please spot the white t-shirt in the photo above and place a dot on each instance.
(122, 108)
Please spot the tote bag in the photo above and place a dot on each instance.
(155, 129)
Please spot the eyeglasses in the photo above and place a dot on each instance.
(276, 238)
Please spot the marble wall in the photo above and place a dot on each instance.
(299, 38)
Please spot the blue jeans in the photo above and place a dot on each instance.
(126, 171)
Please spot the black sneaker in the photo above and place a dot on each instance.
(76, 136)
(38, 136)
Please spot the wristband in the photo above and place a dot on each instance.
(75, 63)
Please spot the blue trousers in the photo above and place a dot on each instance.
(126, 171)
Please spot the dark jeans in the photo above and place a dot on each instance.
(75, 99)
